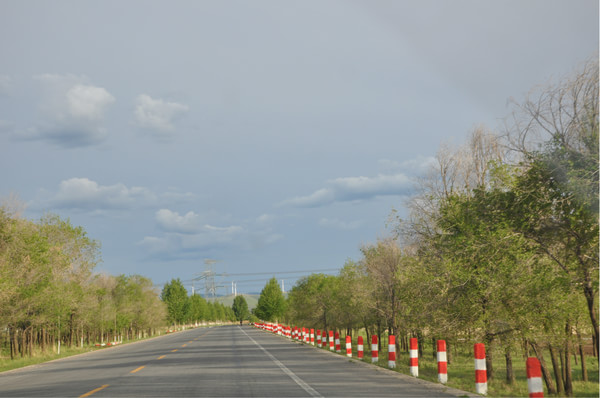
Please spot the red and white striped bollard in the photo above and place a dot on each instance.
(349, 346)
(338, 347)
(374, 349)
(480, 369)
(312, 336)
(414, 357)
(331, 346)
(442, 362)
(392, 351)
(318, 337)
(360, 348)
(534, 378)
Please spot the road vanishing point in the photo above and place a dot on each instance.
(221, 361)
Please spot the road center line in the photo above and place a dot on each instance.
(87, 394)
(137, 370)
(161, 357)
(288, 372)
(174, 350)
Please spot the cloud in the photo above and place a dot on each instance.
(72, 112)
(418, 165)
(318, 198)
(170, 221)
(85, 194)
(348, 189)
(157, 115)
(189, 236)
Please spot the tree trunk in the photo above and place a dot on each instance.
(30, 342)
(489, 364)
(545, 372)
(557, 370)
(22, 344)
(590, 298)
(510, 374)
(567, 371)
(11, 333)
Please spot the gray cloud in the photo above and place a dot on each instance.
(72, 112)
(348, 189)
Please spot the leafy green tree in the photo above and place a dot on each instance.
(175, 296)
(197, 309)
(271, 303)
(240, 308)
(312, 300)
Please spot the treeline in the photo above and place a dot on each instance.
(193, 309)
(49, 295)
(500, 245)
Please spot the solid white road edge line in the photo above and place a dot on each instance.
(288, 372)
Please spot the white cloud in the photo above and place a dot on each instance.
(83, 193)
(189, 235)
(349, 189)
(72, 111)
(171, 221)
(318, 198)
(88, 102)
(156, 114)
(419, 165)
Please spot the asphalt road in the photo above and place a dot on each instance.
(225, 361)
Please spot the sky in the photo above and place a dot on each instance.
(272, 138)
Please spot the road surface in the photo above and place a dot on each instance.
(225, 361)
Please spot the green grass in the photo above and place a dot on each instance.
(65, 351)
(39, 357)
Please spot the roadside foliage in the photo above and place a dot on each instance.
(500, 245)
(49, 293)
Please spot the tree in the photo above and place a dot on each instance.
(271, 303)
(175, 296)
(312, 300)
(555, 132)
(240, 308)
(197, 309)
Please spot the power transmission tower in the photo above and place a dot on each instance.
(210, 287)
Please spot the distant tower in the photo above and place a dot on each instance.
(210, 290)
(282, 286)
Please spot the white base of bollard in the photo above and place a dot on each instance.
(443, 378)
(392, 364)
(414, 371)
(481, 388)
